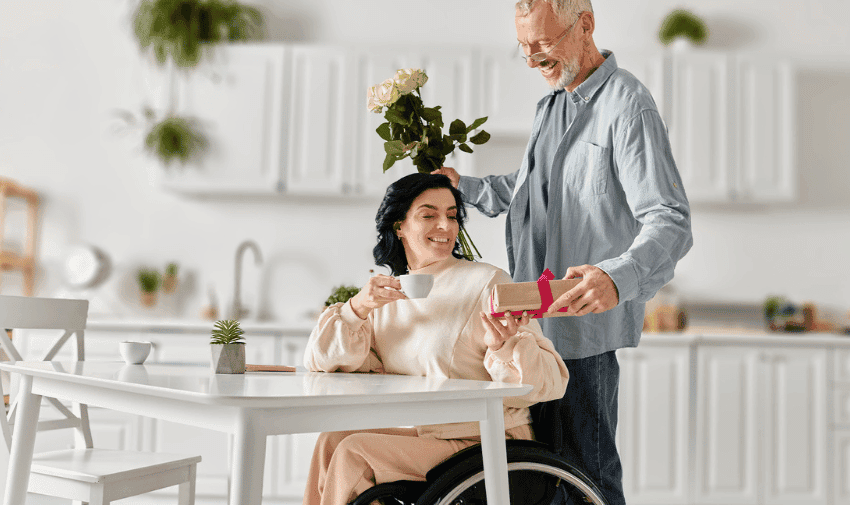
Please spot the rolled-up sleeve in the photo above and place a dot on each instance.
(656, 197)
(341, 342)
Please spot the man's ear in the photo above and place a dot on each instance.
(587, 23)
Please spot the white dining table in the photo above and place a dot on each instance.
(254, 405)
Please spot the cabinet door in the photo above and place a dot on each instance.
(510, 91)
(701, 124)
(794, 426)
(727, 425)
(237, 101)
(841, 468)
(319, 122)
(654, 423)
(766, 130)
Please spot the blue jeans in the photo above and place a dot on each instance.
(581, 426)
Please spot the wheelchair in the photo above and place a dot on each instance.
(536, 474)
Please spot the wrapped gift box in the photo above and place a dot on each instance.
(521, 296)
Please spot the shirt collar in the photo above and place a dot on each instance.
(585, 91)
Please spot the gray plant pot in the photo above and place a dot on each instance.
(227, 358)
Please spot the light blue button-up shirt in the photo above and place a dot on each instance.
(597, 185)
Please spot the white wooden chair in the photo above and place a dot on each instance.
(84, 474)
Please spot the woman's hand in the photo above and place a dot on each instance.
(379, 291)
(498, 332)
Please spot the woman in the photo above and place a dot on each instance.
(447, 334)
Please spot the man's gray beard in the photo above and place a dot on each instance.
(569, 72)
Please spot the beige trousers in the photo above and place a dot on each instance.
(346, 463)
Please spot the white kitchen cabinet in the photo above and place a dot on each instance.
(237, 100)
(510, 90)
(732, 126)
(653, 431)
(841, 467)
(761, 426)
(766, 130)
(319, 121)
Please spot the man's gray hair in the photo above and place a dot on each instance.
(566, 10)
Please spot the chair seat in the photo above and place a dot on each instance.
(104, 465)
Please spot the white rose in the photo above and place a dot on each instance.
(371, 103)
(386, 93)
(408, 79)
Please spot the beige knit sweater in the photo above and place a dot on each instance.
(441, 336)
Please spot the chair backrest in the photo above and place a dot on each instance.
(69, 316)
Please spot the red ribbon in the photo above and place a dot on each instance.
(546, 298)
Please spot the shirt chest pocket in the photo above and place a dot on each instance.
(587, 169)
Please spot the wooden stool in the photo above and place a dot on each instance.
(10, 260)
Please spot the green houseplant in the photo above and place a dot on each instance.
(175, 139)
(682, 24)
(341, 294)
(228, 347)
(169, 281)
(149, 281)
(181, 29)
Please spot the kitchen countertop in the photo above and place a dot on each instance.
(732, 336)
(297, 328)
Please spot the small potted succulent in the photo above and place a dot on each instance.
(169, 282)
(227, 347)
(149, 281)
(176, 138)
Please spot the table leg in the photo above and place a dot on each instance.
(494, 453)
(23, 441)
(247, 467)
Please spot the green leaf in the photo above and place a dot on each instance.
(465, 148)
(431, 114)
(393, 116)
(384, 131)
(389, 161)
(475, 124)
(480, 138)
(457, 127)
(394, 147)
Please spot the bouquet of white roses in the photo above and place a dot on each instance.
(415, 131)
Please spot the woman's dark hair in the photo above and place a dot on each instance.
(397, 201)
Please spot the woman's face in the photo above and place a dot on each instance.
(429, 230)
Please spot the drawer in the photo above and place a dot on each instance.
(842, 405)
(842, 365)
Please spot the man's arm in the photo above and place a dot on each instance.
(491, 195)
(656, 198)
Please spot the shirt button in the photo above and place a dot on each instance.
(586, 98)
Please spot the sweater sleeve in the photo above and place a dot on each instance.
(343, 342)
(526, 358)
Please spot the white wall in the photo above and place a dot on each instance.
(64, 69)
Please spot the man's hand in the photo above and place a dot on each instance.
(497, 332)
(595, 293)
(449, 172)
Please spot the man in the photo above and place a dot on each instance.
(598, 196)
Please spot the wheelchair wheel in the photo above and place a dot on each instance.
(535, 474)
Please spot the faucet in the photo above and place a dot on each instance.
(237, 311)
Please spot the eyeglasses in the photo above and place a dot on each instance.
(543, 56)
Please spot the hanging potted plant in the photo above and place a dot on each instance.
(175, 139)
(180, 29)
(227, 347)
(149, 281)
(681, 26)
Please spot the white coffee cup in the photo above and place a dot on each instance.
(416, 285)
(134, 353)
